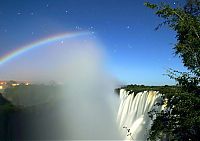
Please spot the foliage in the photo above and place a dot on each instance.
(186, 22)
(139, 88)
(181, 118)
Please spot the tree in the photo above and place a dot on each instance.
(181, 118)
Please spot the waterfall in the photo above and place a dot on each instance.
(133, 118)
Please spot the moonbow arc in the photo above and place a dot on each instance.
(39, 43)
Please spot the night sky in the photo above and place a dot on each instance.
(137, 53)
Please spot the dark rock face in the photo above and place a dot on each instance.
(3, 100)
(5, 108)
(33, 123)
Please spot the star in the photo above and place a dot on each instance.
(78, 27)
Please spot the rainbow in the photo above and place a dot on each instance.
(44, 41)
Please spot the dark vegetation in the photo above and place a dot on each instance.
(6, 109)
(181, 119)
(140, 88)
(31, 113)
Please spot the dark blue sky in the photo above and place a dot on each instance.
(137, 53)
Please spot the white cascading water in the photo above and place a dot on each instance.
(133, 118)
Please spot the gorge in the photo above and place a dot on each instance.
(133, 114)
